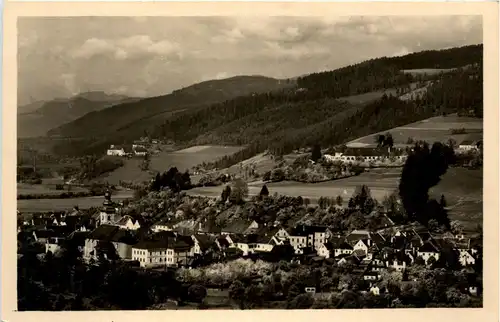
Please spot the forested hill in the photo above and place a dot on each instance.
(37, 118)
(315, 111)
(138, 116)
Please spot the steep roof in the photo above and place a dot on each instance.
(429, 247)
(467, 142)
(205, 241)
(238, 226)
(112, 233)
(223, 242)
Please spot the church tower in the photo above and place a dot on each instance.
(108, 213)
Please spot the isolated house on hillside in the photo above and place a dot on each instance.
(116, 150)
(140, 151)
(468, 145)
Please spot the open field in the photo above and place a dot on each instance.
(461, 187)
(182, 159)
(25, 189)
(43, 205)
(430, 130)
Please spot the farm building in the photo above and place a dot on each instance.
(140, 151)
(116, 150)
(468, 145)
(350, 155)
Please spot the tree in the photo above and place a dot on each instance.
(307, 202)
(237, 293)
(264, 192)
(316, 153)
(423, 170)
(293, 291)
(146, 162)
(253, 295)
(456, 227)
(226, 192)
(301, 301)
(239, 191)
(380, 139)
(389, 141)
(197, 293)
(339, 200)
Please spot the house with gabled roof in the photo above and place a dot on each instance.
(116, 150)
(316, 235)
(399, 261)
(264, 240)
(468, 145)
(222, 243)
(154, 253)
(128, 222)
(140, 150)
(466, 258)
(203, 243)
(116, 240)
(240, 226)
(428, 250)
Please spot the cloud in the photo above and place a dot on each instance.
(403, 51)
(69, 83)
(128, 47)
(155, 55)
(228, 36)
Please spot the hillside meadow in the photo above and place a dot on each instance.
(434, 129)
(182, 159)
(46, 205)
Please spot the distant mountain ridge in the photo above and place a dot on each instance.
(37, 118)
(155, 109)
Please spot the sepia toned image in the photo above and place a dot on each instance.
(230, 162)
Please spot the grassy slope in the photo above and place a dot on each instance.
(431, 130)
(182, 159)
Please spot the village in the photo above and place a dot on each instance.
(167, 244)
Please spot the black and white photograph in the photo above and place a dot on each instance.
(249, 162)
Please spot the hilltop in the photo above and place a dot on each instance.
(37, 118)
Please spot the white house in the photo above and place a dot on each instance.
(375, 290)
(116, 150)
(162, 225)
(129, 223)
(467, 145)
(140, 151)
(466, 258)
(428, 250)
(53, 244)
(362, 245)
(154, 254)
(298, 241)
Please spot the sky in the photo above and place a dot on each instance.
(149, 56)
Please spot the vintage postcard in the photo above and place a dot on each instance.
(247, 159)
